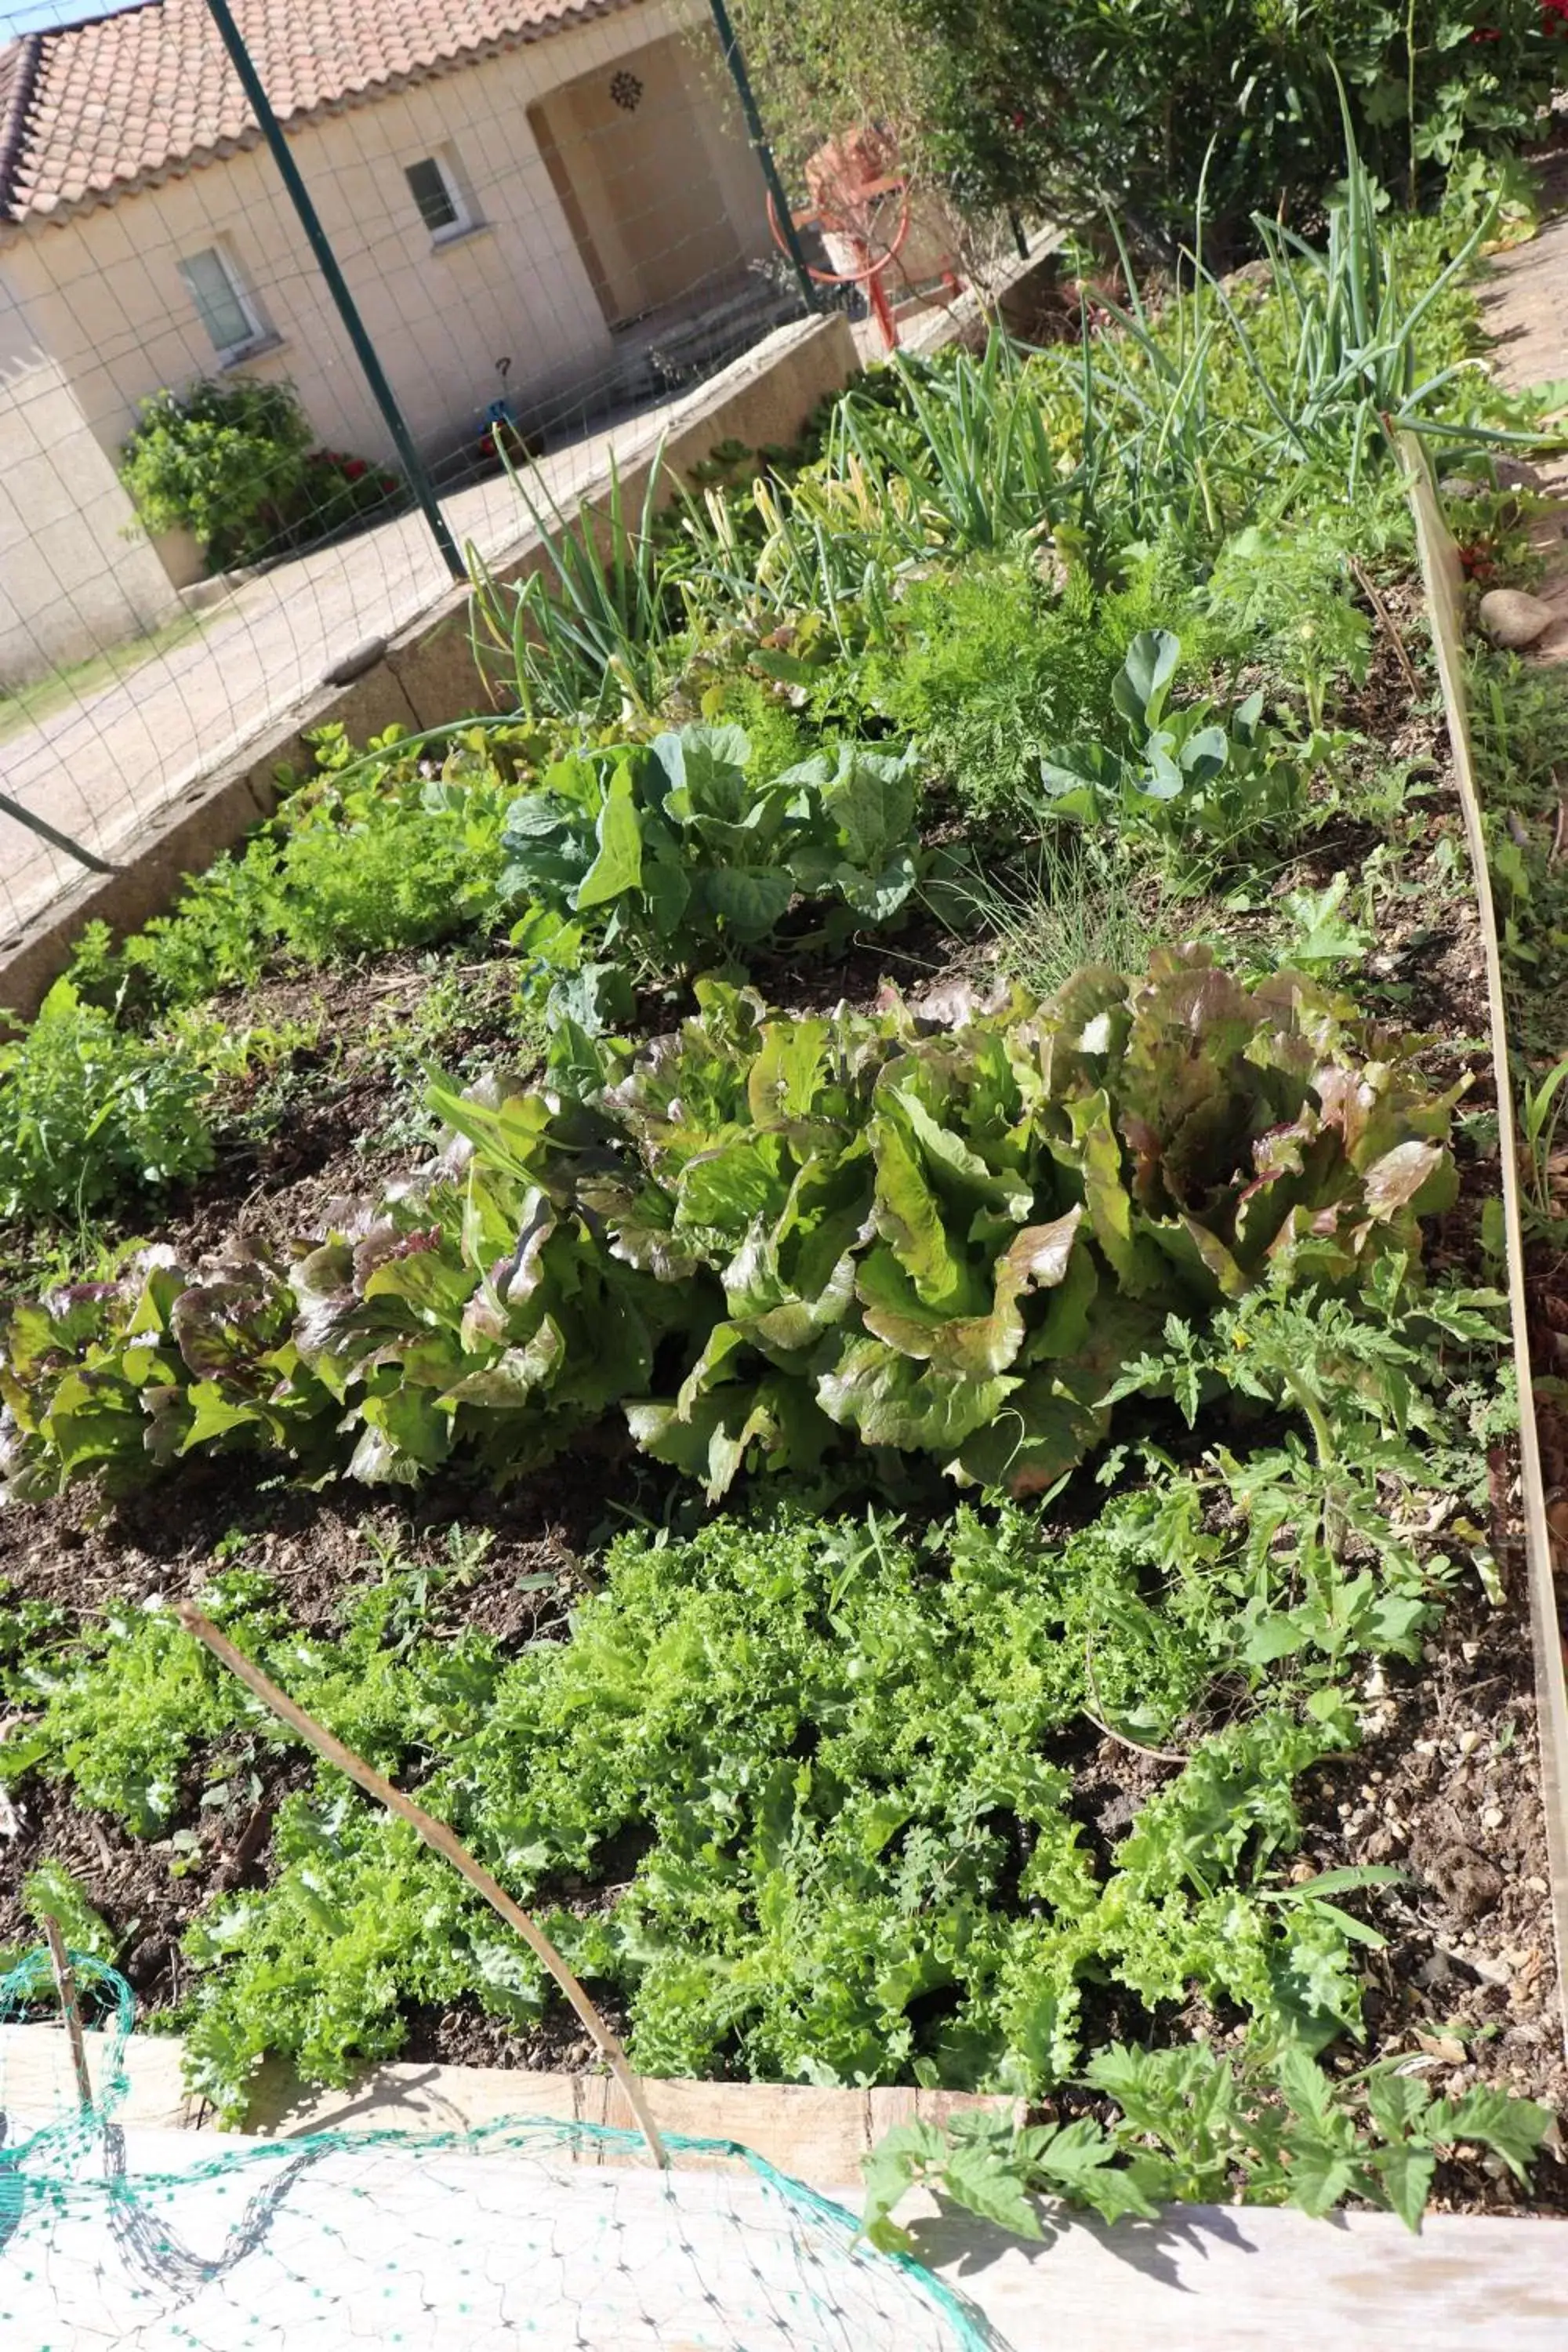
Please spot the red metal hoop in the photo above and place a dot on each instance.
(841, 228)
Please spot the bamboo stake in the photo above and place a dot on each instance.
(1380, 607)
(442, 1840)
(71, 2008)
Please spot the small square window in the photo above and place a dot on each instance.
(437, 195)
(222, 304)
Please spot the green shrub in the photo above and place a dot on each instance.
(1064, 108)
(231, 461)
(89, 1111)
(224, 460)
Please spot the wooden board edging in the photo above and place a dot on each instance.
(1442, 581)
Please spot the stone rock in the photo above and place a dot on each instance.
(364, 657)
(1459, 485)
(1513, 619)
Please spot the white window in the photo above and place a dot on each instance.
(222, 304)
(442, 206)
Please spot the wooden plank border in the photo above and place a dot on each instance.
(1444, 582)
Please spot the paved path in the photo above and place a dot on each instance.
(97, 767)
(1521, 297)
(1522, 305)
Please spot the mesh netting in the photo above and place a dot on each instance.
(536, 2232)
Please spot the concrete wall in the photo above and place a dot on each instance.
(107, 300)
(71, 584)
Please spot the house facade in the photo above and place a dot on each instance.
(517, 180)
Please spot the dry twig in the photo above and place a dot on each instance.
(442, 1840)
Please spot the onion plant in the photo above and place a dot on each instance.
(586, 632)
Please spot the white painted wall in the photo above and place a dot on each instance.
(71, 582)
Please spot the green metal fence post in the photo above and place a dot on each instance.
(728, 42)
(337, 286)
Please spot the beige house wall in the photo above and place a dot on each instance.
(71, 584)
(106, 300)
(650, 235)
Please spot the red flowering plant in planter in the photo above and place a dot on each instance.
(340, 489)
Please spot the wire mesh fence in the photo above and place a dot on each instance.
(552, 225)
(555, 2234)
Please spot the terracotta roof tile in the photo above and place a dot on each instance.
(126, 97)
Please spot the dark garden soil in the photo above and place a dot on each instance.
(1445, 1784)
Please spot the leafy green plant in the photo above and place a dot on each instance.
(823, 1740)
(1280, 597)
(50, 1891)
(1195, 2126)
(988, 670)
(1361, 1384)
(375, 854)
(761, 1232)
(1197, 784)
(223, 459)
(1326, 936)
(679, 850)
(89, 1111)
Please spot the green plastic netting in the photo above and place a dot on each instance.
(520, 2234)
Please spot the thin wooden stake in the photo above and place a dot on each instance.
(442, 1840)
(1375, 598)
(71, 2008)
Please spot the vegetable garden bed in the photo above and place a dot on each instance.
(935, 1487)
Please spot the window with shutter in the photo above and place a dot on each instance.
(221, 304)
(433, 190)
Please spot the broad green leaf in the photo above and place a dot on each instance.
(1106, 1196)
(706, 771)
(1139, 689)
(1405, 2171)
(214, 1413)
(1078, 2160)
(984, 2180)
(1513, 2128)
(905, 2154)
(1398, 2103)
(618, 866)
(788, 1069)
(976, 1344)
(1322, 2175)
(878, 897)
(1031, 1441)
(893, 1401)
(747, 900)
(908, 1216)
(871, 802)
